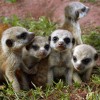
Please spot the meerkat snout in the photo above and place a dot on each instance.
(83, 11)
(61, 43)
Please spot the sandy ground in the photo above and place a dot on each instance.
(50, 8)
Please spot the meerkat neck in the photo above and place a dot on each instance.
(71, 25)
(7, 52)
(60, 52)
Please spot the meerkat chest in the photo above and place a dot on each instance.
(58, 60)
(13, 62)
(59, 71)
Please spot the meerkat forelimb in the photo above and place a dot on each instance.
(73, 12)
(84, 59)
(12, 41)
(61, 42)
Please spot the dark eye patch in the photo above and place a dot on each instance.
(83, 9)
(9, 42)
(86, 61)
(67, 40)
(74, 58)
(22, 35)
(35, 47)
(55, 39)
(47, 46)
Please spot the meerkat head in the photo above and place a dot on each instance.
(61, 40)
(15, 38)
(39, 48)
(84, 57)
(75, 11)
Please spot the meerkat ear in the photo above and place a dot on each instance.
(73, 41)
(9, 42)
(77, 15)
(96, 56)
(28, 46)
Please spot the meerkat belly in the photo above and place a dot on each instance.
(14, 62)
(59, 71)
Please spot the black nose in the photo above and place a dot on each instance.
(88, 9)
(61, 43)
(80, 67)
(42, 52)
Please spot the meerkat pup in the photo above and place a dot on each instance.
(35, 56)
(73, 12)
(61, 42)
(84, 59)
(12, 41)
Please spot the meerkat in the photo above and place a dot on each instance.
(61, 43)
(35, 56)
(84, 59)
(12, 41)
(73, 12)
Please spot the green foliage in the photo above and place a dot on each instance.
(43, 26)
(11, 1)
(96, 79)
(60, 91)
(93, 38)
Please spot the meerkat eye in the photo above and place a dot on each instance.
(35, 47)
(83, 9)
(67, 40)
(86, 61)
(9, 42)
(47, 46)
(74, 58)
(22, 36)
(55, 39)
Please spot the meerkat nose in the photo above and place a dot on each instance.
(61, 43)
(87, 9)
(42, 52)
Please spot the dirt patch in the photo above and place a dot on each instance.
(50, 8)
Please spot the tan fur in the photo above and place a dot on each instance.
(40, 78)
(73, 12)
(37, 61)
(11, 59)
(84, 59)
(60, 57)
